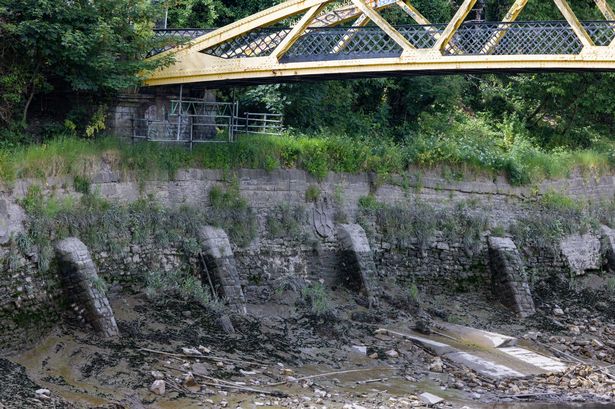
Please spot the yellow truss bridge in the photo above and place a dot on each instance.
(332, 40)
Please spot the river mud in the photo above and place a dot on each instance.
(281, 356)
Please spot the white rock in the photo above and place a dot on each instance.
(157, 375)
(361, 349)
(158, 387)
(191, 351)
(558, 311)
(429, 399)
(392, 353)
(437, 365)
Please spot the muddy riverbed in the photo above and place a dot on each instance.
(282, 357)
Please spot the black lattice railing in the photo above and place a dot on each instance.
(522, 38)
(602, 32)
(177, 36)
(343, 43)
(258, 43)
(476, 38)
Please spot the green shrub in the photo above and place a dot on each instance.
(81, 184)
(318, 300)
(162, 286)
(286, 221)
(312, 194)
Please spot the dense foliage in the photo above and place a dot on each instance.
(82, 51)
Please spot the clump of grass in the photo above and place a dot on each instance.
(498, 231)
(317, 300)
(413, 293)
(81, 184)
(162, 286)
(285, 221)
(232, 212)
(312, 194)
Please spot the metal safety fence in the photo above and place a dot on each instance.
(193, 122)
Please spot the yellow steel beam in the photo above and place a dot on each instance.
(384, 25)
(264, 18)
(297, 30)
(419, 18)
(412, 12)
(607, 12)
(453, 25)
(605, 9)
(347, 13)
(199, 67)
(575, 24)
(511, 16)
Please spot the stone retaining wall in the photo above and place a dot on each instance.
(269, 264)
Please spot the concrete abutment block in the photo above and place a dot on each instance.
(83, 286)
(508, 277)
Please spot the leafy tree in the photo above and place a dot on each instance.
(82, 47)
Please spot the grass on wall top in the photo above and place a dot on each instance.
(520, 161)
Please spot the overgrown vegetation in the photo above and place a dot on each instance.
(318, 300)
(162, 286)
(554, 216)
(417, 222)
(317, 155)
(81, 54)
(113, 228)
(286, 221)
(232, 212)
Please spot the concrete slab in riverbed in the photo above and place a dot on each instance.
(490, 354)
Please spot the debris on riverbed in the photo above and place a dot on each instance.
(179, 356)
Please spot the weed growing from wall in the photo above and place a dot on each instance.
(318, 300)
(113, 228)
(312, 194)
(286, 221)
(231, 212)
(417, 222)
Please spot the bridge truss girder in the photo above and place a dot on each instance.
(264, 59)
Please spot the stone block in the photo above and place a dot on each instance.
(508, 276)
(80, 279)
(581, 253)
